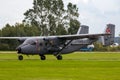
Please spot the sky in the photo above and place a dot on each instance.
(94, 13)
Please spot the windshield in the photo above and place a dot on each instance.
(30, 41)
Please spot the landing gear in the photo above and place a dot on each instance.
(42, 57)
(59, 57)
(20, 57)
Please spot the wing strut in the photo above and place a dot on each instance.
(58, 53)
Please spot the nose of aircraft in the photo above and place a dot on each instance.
(25, 49)
(18, 49)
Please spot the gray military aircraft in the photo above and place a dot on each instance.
(58, 45)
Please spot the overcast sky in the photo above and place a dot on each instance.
(94, 13)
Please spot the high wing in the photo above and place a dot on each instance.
(20, 39)
(13, 37)
(80, 36)
(65, 37)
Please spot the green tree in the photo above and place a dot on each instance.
(49, 14)
(74, 26)
(72, 16)
(60, 30)
(18, 30)
(8, 31)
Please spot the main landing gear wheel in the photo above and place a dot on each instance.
(20, 57)
(59, 57)
(43, 57)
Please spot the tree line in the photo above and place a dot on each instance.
(101, 48)
(17, 30)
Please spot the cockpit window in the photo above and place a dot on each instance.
(30, 41)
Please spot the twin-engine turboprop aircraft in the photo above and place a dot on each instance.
(58, 45)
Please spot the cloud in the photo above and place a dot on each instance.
(107, 5)
(12, 11)
(86, 1)
(77, 1)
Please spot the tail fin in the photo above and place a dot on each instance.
(109, 40)
(83, 30)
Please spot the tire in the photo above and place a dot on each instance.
(59, 57)
(20, 57)
(43, 58)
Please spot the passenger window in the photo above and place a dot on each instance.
(34, 43)
(41, 44)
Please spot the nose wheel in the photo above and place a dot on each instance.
(42, 57)
(20, 57)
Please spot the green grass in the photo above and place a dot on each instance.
(76, 66)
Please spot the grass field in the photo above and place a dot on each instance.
(76, 66)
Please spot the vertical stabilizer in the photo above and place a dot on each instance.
(109, 40)
(83, 30)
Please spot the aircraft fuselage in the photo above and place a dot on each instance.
(52, 46)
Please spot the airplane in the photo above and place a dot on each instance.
(62, 44)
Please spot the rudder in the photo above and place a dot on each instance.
(109, 40)
(83, 29)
